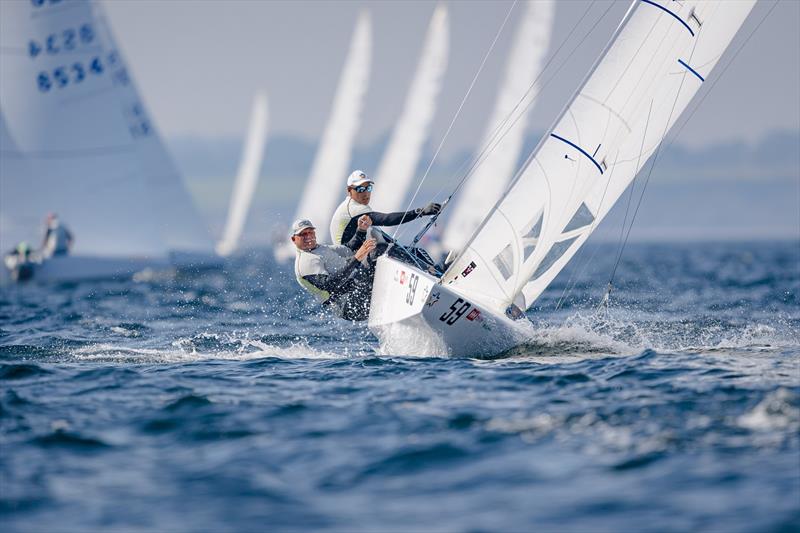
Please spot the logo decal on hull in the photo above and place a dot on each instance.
(433, 299)
(470, 268)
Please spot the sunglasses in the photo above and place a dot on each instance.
(363, 188)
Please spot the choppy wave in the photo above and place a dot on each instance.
(227, 401)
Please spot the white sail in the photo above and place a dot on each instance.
(657, 60)
(490, 179)
(62, 108)
(247, 177)
(326, 183)
(182, 227)
(397, 167)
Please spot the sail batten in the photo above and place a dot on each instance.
(608, 131)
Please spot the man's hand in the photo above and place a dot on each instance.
(431, 209)
(365, 249)
(364, 222)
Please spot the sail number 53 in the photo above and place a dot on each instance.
(456, 311)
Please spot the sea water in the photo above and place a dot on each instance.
(226, 401)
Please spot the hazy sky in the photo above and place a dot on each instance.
(198, 64)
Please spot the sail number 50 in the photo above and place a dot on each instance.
(456, 311)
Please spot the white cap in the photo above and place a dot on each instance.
(357, 177)
(300, 225)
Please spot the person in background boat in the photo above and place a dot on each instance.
(19, 262)
(57, 237)
(337, 275)
(359, 191)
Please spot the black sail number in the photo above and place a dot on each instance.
(456, 311)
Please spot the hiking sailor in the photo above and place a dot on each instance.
(333, 273)
(57, 238)
(359, 190)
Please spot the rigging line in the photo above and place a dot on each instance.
(578, 273)
(458, 112)
(630, 197)
(650, 172)
(492, 144)
(721, 74)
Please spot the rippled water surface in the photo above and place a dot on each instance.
(225, 401)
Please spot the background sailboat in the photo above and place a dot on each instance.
(523, 67)
(247, 176)
(325, 184)
(397, 167)
(91, 151)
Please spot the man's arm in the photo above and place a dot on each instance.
(363, 224)
(378, 219)
(332, 282)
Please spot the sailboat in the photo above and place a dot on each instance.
(659, 56)
(523, 68)
(246, 178)
(402, 155)
(86, 148)
(330, 167)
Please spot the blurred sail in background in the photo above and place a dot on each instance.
(397, 167)
(326, 183)
(88, 148)
(247, 176)
(490, 179)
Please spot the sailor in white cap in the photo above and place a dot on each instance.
(359, 189)
(335, 275)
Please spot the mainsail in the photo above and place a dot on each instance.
(487, 183)
(182, 227)
(657, 60)
(247, 177)
(397, 167)
(325, 185)
(92, 152)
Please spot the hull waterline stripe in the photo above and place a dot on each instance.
(659, 6)
(581, 150)
(690, 69)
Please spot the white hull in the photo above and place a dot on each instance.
(74, 268)
(412, 313)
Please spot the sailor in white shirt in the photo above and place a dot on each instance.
(359, 190)
(334, 274)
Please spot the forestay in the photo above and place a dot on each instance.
(656, 61)
(397, 167)
(491, 178)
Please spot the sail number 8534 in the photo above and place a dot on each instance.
(456, 311)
